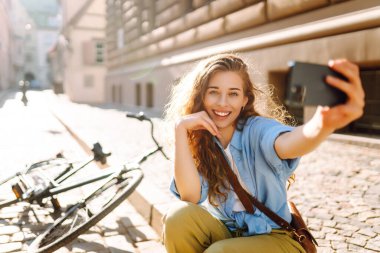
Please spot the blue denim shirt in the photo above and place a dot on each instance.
(262, 171)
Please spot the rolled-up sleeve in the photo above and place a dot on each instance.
(204, 189)
(270, 132)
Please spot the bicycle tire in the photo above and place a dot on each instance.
(57, 236)
(47, 166)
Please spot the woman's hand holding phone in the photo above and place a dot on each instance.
(341, 115)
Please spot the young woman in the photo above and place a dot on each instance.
(217, 106)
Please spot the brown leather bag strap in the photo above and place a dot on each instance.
(250, 201)
(239, 190)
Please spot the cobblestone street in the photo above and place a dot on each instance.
(337, 186)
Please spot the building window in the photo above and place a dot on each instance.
(93, 52)
(138, 94)
(370, 121)
(99, 52)
(149, 95)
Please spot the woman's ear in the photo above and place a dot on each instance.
(245, 101)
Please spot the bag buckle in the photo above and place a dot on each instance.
(238, 232)
(300, 237)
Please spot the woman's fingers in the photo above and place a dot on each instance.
(213, 129)
(348, 69)
(339, 83)
(352, 87)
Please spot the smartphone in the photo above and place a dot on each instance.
(307, 86)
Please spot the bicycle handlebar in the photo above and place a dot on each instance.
(141, 116)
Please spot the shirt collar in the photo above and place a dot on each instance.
(235, 141)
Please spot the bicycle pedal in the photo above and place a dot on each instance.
(56, 204)
(17, 190)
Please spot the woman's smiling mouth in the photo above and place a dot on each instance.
(221, 114)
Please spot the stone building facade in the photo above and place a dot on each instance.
(78, 56)
(150, 44)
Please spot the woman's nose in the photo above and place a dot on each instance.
(222, 100)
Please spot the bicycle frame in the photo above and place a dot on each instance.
(34, 194)
(56, 185)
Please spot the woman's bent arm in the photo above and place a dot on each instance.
(185, 173)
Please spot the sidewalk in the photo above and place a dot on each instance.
(337, 187)
(32, 133)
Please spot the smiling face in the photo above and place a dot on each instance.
(224, 99)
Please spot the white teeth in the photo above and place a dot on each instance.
(222, 114)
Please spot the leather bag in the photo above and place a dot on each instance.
(301, 233)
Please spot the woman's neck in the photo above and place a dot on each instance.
(226, 135)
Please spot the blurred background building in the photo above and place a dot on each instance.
(131, 52)
(150, 44)
(6, 63)
(41, 25)
(28, 28)
(80, 49)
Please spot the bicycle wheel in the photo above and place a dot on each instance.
(12, 187)
(82, 216)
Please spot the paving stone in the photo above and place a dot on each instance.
(339, 245)
(9, 230)
(329, 223)
(335, 237)
(150, 246)
(357, 241)
(89, 238)
(373, 221)
(356, 248)
(325, 250)
(373, 244)
(142, 233)
(324, 216)
(327, 230)
(363, 216)
(376, 229)
(133, 219)
(4, 238)
(367, 232)
(119, 244)
(10, 247)
(94, 246)
(18, 237)
(63, 250)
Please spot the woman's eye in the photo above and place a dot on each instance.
(213, 92)
(234, 94)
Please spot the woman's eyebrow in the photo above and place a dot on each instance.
(216, 87)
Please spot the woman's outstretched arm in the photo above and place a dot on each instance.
(305, 138)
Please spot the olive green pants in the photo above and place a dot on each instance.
(189, 228)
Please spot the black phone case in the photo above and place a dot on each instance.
(307, 86)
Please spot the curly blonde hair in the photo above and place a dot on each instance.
(187, 97)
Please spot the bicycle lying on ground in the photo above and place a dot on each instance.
(42, 183)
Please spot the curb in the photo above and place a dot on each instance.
(356, 140)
